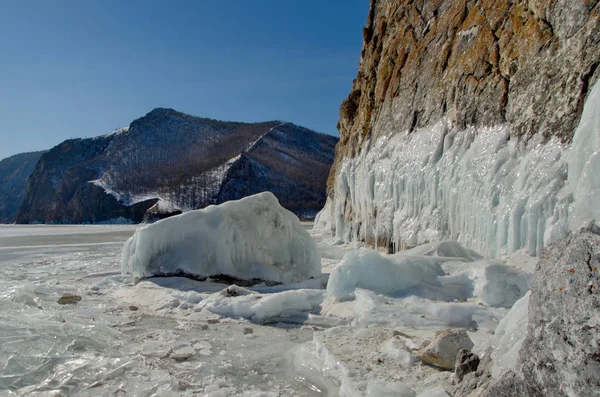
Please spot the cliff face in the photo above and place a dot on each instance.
(471, 64)
(14, 171)
(161, 164)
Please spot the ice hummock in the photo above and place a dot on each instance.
(251, 238)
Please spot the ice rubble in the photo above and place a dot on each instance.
(406, 273)
(491, 192)
(252, 238)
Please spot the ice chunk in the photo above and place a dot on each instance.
(384, 275)
(437, 391)
(444, 249)
(584, 163)
(389, 389)
(509, 337)
(262, 308)
(323, 218)
(251, 238)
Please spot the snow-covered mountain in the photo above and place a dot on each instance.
(14, 171)
(168, 162)
(460, 122)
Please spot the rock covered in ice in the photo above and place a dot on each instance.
(479, 187)
(444, 347)
(251, 238)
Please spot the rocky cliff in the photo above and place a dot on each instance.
(14, 171)
(168, 162)
(518, 71)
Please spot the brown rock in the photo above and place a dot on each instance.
(444, 347)
(68, 299)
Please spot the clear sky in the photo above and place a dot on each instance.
(82, 68)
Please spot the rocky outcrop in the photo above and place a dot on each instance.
(466, 68)
(560, 353)
(168, 162)
(14, 171)
(476, 62)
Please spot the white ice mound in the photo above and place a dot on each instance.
(385, 275)
(251, 238)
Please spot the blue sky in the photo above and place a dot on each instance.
(83, 68)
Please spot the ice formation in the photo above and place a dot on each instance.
(480, 186)
(509, 337)
(384, 275)
(252, 238)
(584, 163)
(406, 273)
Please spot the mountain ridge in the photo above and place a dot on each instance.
(165, 159)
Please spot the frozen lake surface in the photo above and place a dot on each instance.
(173, 336)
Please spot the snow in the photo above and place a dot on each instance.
(251, 238)
(584, 163)
(118, 131)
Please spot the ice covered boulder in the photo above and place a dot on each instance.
(249, 239)
(444, 348)
(394, 274)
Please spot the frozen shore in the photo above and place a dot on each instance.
(172, 336)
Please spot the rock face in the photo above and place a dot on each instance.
(168, 162)
(477, 62)
(470, 64)
(560, 353)
(444, 348)
(14, 171)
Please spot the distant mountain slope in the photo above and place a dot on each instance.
(14, 171)
(287, 156)
(168, 162)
